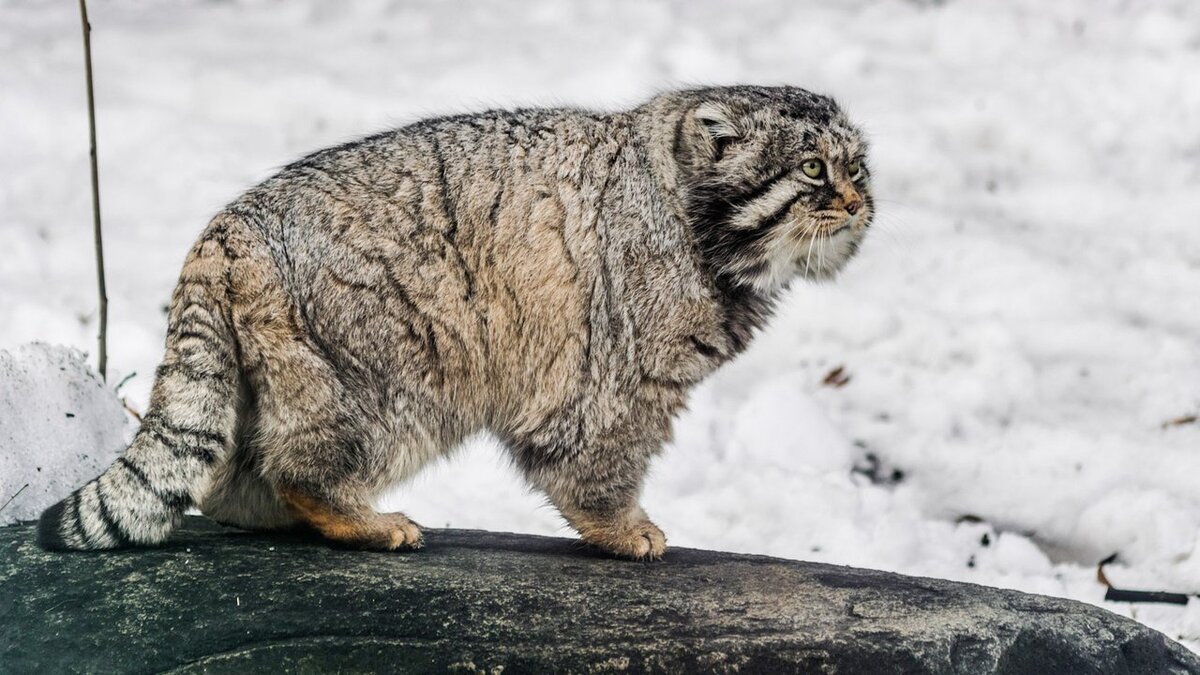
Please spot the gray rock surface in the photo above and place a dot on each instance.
(221, 601)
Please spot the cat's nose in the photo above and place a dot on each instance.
(854, 205)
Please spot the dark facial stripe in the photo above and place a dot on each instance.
(762, 189)
(780, 214)
(724, 248)
(712, 207)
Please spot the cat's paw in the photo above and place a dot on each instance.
(402, 533)
(641, 540)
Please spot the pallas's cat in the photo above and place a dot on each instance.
(559, 278)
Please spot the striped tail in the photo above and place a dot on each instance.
(186, 433)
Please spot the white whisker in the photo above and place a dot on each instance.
(820, 253)
(808, 258)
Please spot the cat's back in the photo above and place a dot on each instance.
(466, 248)
(447, 178)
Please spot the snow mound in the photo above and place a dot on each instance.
(59, 427)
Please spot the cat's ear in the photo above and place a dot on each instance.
(720, 126)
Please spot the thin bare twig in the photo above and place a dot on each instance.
(91, 101)
(1114, 594)
(125, 379)
(10, 499)
(1180, 421)
(129, 409)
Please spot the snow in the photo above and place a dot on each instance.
(1017, 331)
(59, 427)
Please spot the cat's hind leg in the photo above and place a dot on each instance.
(333, 431)
(328, 458)
(241, 497)
(328, 471)
(349, 519)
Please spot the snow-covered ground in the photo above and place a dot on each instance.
(60, 426)
(1021, 325)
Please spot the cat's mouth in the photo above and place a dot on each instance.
(838, 226)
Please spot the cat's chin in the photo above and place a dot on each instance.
(823, 265)
(785, 275)
(818, 275)
(824, 260)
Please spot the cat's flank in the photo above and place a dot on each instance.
(560, 278)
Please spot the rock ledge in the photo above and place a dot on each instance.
(221, 601)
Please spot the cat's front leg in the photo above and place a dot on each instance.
(627, 533)
(596, 489)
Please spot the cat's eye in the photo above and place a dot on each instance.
(813, 168)
(854, 168)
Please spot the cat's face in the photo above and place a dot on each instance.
(776, 184)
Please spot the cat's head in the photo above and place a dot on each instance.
(774, 181)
